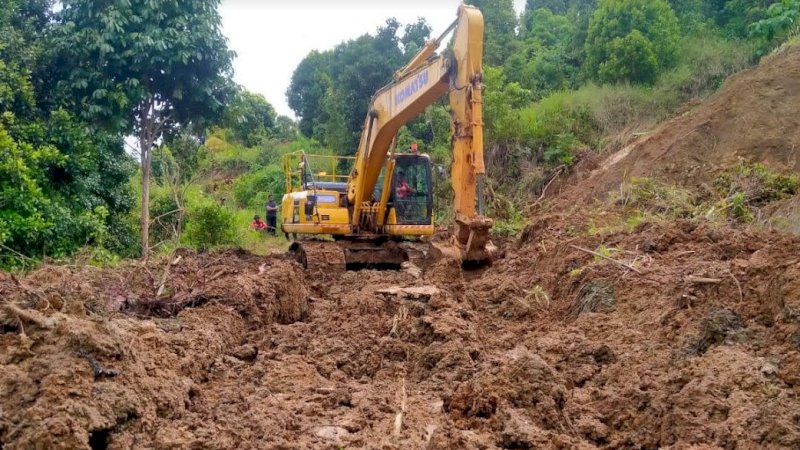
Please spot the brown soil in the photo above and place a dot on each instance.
(239, 353)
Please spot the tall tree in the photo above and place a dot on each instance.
(330, 91)
(60, 187)
(415, 36)
(250, 117)
(500, 28)
(307, 88)
(559, 7)
(631, 40)
(144, 66)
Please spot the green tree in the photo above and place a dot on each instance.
(500, 25)
(646, 30)
(502, 100)
(415, 36)
(250, 118)
(621, 52)
(60, 187)
(330, 91)
(733, 16)
(555, 6)
(550, 30)
(310, 81)
(782, 18)
(285, 128)
(548, 59)
(145, 66)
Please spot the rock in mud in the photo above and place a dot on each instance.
(247, 352)
(331, 433)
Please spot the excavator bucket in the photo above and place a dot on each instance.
(470, 244)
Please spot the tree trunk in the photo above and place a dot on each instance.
(145, 154)
(147, 131)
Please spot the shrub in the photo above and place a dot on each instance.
(706, 60)
(782, 20)
(164, 215)
(739, 208)
(631, 58)
(649, 195)
(210, 225)
(756, 184)
(556, 126)
(251, 189)
(749, 186)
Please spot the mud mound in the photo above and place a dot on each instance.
(698, 349)
(78, 371)
(752, 119)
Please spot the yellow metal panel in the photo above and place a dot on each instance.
(313, 228)
(409, 230)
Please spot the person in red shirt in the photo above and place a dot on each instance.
(258, 224)
(404, 189)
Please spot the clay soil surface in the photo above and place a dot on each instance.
(551, 347)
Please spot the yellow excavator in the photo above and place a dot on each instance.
(385, 201)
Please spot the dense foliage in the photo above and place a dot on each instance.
(144, 67)
(330, 90)
(631, 40)
(61, 186)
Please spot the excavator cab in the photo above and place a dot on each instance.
(412, 193)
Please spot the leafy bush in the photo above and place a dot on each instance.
(249, 117)
(164, 215)
(781, 21)
(739, 208)
(556, 126)
(631, 58)
(59, 194)
(757, 185)
(252, 189)
(210, 225)
(747, 187)
(706, 60)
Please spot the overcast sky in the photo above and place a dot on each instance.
(271, 37)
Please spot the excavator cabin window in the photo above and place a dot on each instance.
(412, 195)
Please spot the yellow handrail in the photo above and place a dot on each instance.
(294, 169)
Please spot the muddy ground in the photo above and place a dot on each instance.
(551, 347)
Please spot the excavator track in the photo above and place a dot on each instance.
(337, 256)
(319, 257)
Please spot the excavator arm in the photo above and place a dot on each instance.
(416, 86)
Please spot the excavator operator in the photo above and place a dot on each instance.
(404, 190)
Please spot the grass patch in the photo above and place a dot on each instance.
(259, 243)
(647, 194)
(747, 187)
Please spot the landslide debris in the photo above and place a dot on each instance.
(261, 357)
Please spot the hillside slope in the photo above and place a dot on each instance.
(753, 118)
